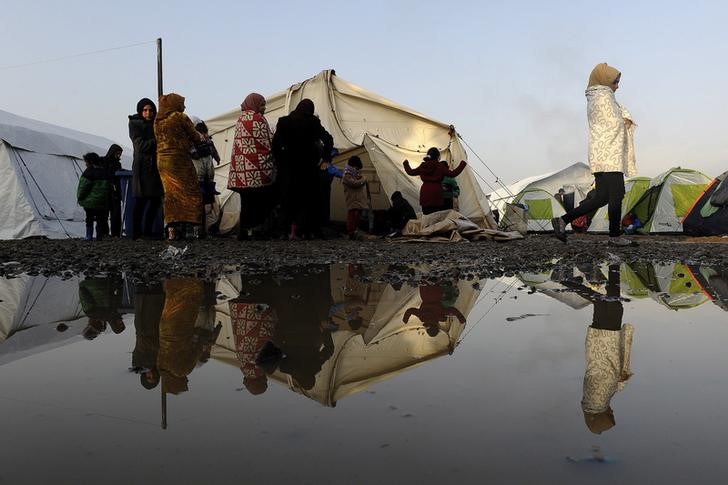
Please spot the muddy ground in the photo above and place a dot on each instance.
(141, 260)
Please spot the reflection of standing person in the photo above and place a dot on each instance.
(437, 304)
(608, 348)
(432, 171)
(252, 167)
(179, 350)
(101, 298)
(148, 306)
(253, 327)
(176, 135)
(611, 153)
(146, 184)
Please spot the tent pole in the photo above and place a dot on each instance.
(159, 67)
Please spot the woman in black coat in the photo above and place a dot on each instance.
(299, 144)
(146, 184)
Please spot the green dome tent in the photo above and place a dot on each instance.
(668, 199)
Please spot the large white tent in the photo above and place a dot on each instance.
(40, 165)
(382, 132)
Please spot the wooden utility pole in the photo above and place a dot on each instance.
(160, 91)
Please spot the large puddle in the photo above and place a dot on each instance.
(604, 373)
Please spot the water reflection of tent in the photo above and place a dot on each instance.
(382, 348)
(714, 282)
(543, 283)
(671, 284)
(31, 307)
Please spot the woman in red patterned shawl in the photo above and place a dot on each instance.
(252, 168)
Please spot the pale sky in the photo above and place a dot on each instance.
(509, 75)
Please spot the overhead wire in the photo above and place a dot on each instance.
(73, 56)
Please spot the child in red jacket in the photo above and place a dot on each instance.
(432, 170)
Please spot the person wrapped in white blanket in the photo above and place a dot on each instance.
(611, 153)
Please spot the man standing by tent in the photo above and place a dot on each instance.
(611, 153)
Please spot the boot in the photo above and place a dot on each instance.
(89, 233)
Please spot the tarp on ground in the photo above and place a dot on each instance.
(381, 132)
(40, 165)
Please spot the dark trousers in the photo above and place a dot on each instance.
(256, 205)
(609, 190)
(99, 216)
(144, 215)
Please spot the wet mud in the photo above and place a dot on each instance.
(143, 261)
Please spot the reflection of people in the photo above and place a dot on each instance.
(148, 306)
(608, 347)
(101, 298)
(182, 344)
(611, 152)
(253, 326)
(437, 304)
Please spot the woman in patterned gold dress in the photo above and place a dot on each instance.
(176, 135)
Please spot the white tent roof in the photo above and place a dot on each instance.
(40, 137)
(356, 118)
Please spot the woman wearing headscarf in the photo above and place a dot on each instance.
(146, 184)
(611, 153)
(252, 167)
(299, 145)
(176, 135)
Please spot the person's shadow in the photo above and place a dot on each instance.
(608, 348)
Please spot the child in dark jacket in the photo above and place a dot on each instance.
(94, 194)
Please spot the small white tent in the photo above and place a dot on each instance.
(40, 165)
(576, 178)
(382, 132)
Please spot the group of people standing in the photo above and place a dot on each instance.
(284, 177)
